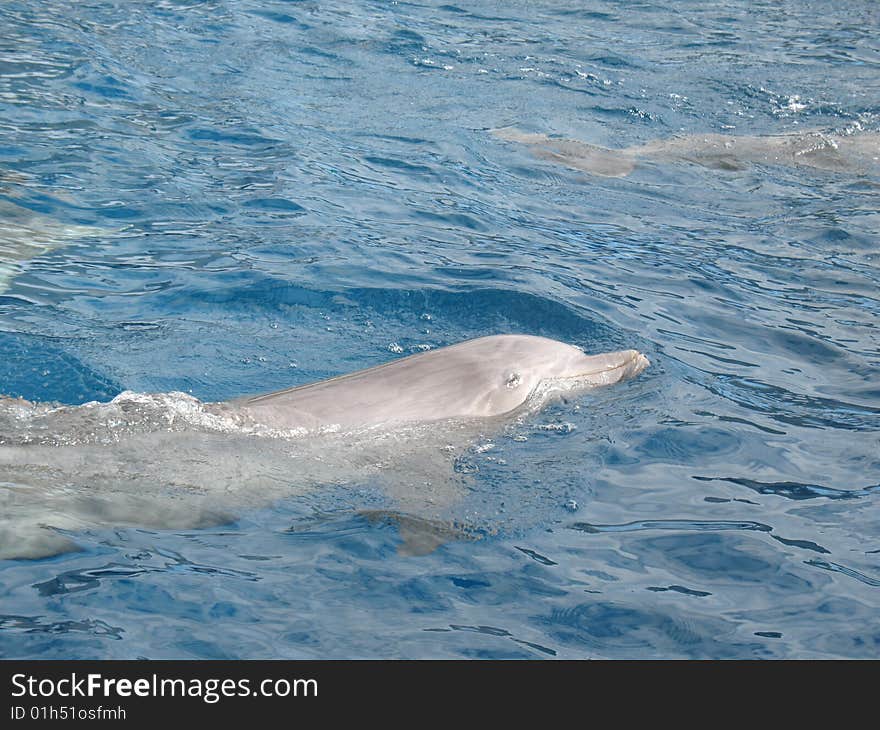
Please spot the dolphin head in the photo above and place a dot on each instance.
(485, 377)
(529, 371)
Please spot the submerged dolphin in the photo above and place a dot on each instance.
(25, 235)
(170, 461)
(857, 153)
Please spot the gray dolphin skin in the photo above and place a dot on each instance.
(25, 235)
(856, 153)
(481, 378)
(169, 461)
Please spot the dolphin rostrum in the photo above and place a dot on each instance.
(170, 461)
(856, 152)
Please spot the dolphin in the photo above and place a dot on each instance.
(26, 234)
(854, 153)
(170, 461)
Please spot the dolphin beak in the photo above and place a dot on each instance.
(613, 367)
(640, 362)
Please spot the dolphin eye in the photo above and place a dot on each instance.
(513, 380)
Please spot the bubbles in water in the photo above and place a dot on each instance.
(556, 427)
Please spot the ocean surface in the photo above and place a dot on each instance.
(234, 196)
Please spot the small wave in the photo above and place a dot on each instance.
(678, 525)
(128, 414)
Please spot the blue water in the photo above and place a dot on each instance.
(294, 190)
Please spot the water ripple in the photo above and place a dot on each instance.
(231, 198)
